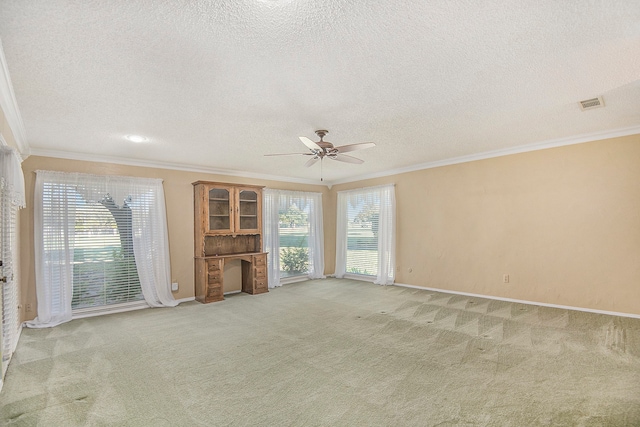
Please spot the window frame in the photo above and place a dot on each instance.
(385, 237)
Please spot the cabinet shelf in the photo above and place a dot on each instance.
(228, 226)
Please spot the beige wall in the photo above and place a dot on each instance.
(179, 201)
(564, 223)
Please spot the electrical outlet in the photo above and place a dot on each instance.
(28, 308)
(505, 278)
(174, 286)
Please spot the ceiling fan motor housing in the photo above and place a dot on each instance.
(325, 145)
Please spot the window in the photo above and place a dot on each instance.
(10, 290)
(293, 231)
(365, 239)
(101, 245)
(104, 267)
(102, 261)
(11, 199)
(293, 235)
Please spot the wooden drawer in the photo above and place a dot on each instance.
(260, 272)
(214, 265)
(214, 289)
(214, 292)
(261, 284)
(214, 276)
(260, 260)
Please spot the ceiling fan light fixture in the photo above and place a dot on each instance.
(138, 139)
(321, 149)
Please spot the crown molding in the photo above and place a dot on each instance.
(167, 165)
(543, 145)
(579, 139)
(10, 107)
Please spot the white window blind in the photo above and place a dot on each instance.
(10, 289)
(103, 264)
(365, 238)
(11, 199)
(363, 216)
(293, 235)
(293, 222)
(84, 228)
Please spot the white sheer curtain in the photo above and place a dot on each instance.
(276, 201)
(54, 269)
(11, 176)
(316, 236)
(270, 234)
(379, 201)
(386, 236)
(151, 241)
(12, 198)
(341, 234)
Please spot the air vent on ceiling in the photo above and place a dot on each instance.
(589, 104)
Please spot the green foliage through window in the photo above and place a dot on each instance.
(294, 241)
(294, 260)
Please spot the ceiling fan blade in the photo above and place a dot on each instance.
(311, 161)
(289, 154)
(347, 159)
(354, 147)
(309, 143)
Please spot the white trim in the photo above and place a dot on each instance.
(360, 189)
(231, 292)
(5, 367)
(543, 304)
(360, 277)
(166, 165)
(543, 145)
(10, 107)
(116, 308)
(295, 193)
(19, 331)
(83, 313)
(294, 279)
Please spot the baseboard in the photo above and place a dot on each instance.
(294, 279)
(181, 300)
(4, 367)
(362, 278)
(543, 304)
(108, 309)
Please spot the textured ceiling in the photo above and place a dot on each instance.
(219, 84)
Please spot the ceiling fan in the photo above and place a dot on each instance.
(321, 149)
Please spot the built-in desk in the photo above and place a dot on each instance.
(210, 275)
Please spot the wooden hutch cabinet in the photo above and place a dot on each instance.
(228, 225)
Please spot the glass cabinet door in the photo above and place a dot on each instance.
(247, 210)
(219, 209)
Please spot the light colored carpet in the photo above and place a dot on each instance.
(330, 353)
